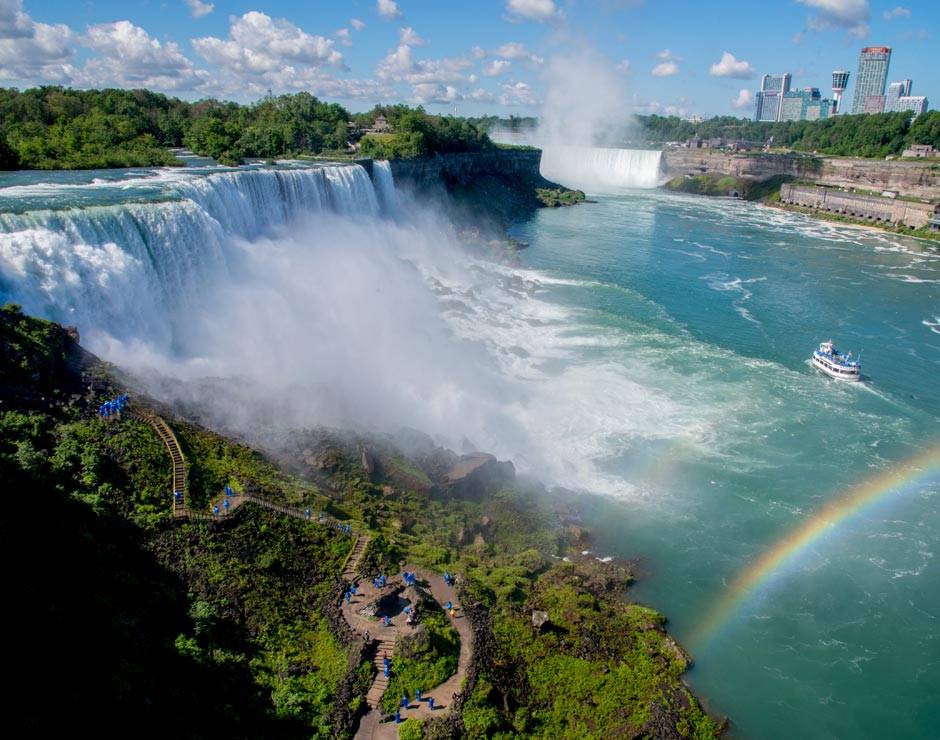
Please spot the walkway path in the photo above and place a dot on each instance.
(371, 727)
(180, 485)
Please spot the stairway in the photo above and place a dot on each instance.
(377, 689)
(352, 563)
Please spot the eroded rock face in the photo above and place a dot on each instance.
(408, 644)
(478, 474)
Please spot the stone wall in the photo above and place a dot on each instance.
(912, 179)
(872, 207)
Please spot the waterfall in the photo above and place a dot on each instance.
(117, 266)
(598, 170)
(385, 186)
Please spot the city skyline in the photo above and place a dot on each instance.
(496, 56)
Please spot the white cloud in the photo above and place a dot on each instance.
(477, 52)
(666, 55)
(665, 69)
(496, 68)
(343, 36)
(428, 92)
(198, 9)
(728, 66)
(896, 12)
(623, 66)
(744, 100)
(400, 66)
(481, 96)
(849, 15)
(408, 35)
(388, 9)
(31, 51)
(532, 10)
(357, 24)
(518, 93)
(515, 50)
(127, 56)
(259, 45)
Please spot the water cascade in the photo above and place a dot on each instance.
(158, 238)
(599, 170)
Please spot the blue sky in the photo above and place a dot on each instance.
(486, 56)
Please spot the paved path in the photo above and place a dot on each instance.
(371, 727)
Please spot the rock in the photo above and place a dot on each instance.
(539, 618)
(412, 642)
(579, 535)
(368, 461)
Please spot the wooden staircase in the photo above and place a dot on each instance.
(176, 455)
(352, 562)
(380, 684)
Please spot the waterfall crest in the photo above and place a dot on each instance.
(600, 170)
(115, 265)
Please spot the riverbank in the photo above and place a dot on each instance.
(247, 603)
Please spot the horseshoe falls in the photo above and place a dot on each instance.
(650, 347)
(600, 170)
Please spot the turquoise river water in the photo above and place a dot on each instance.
(649, 347)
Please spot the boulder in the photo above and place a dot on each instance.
(411, 642)
(539, 618)
(478, 474)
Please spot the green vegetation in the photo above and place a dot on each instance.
(431, 664)
(230, 627)
(418, 134)
(61, 128)
(712, 183)
(555, 197)
(878, 135)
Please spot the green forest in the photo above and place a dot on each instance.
(878, 135)
(61, 128)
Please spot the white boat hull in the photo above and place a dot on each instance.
(836, 373)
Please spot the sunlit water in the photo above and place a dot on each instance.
(716, 305)
(650, 347)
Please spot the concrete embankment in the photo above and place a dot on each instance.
(879, 209)
(907, 178)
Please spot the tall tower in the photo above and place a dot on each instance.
(769, 97)
(840, 80)
(870, 81)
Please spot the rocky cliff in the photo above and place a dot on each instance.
(914, 179)
(494, 187)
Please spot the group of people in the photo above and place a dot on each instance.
(405, 703)
(378, 583)
(350, 592)
(114, 406)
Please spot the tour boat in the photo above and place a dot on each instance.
(836, 364)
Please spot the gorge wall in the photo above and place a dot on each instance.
(913, 179)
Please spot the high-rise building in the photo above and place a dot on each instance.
(896, 90)
(767, 101)
(803, 105)
(916, 103)
(840, 80)
(870, 81)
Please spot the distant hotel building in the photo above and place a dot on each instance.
(915, 103)
(804, 105)
(769, 97)
(896, 90)
(870, 81)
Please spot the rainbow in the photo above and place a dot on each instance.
(918, 469)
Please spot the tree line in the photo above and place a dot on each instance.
(877, 135)
(61, 128)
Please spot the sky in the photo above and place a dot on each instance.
(480, 57)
